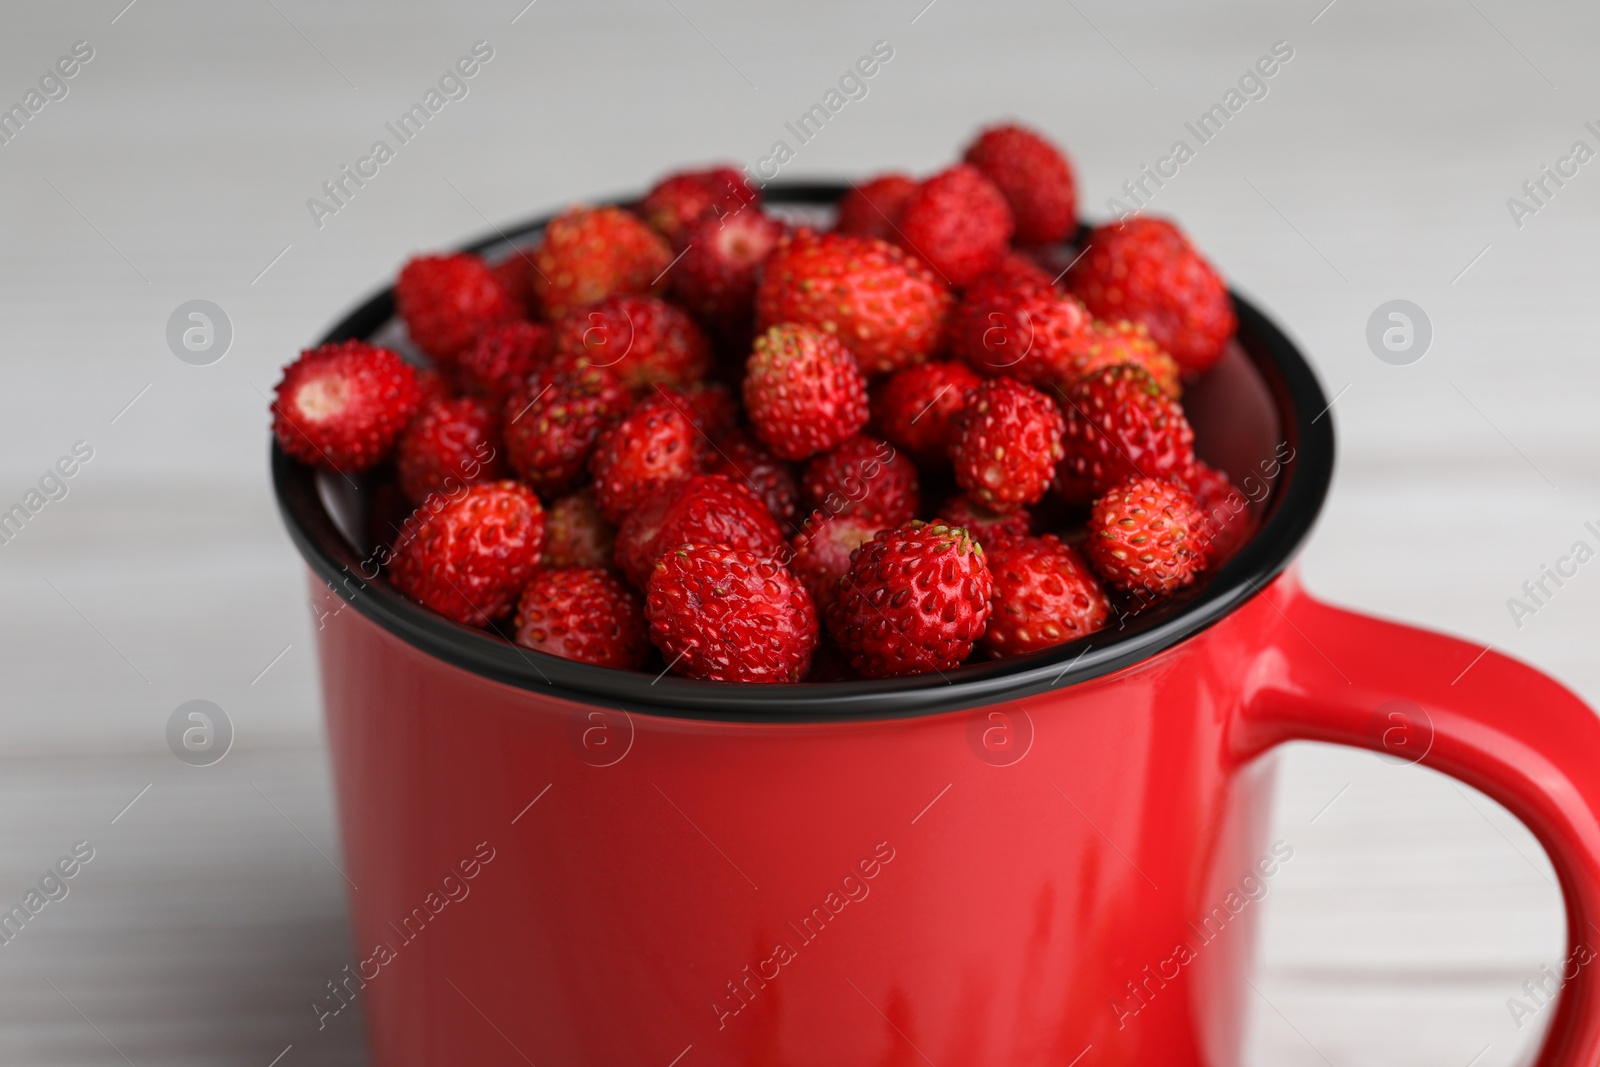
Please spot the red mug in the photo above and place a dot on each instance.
(1047, 860)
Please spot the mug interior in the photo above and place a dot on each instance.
(1259, 415)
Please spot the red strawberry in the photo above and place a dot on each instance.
(991, 529)
(982, 330)
(680, 200)
(502, 358)
(802, 391)
(1008, 445)
(1146, 270)
(343, 405)
(515, 272)
(431, 386)
(1145, 537)
(728, 615)
(959, 222)
(1035, 178)
(553, 422)
(1015, 267)
(589, 254)
(586, 614)
(717, 274)
(450, 444)
(742, 459)
(635, 550)
(706, 509)
(916, 599)
(642, 340)
(1120, 425)
(576, 534)
(873, 208)
(708, 405)
(1105, 344)
(822, 552)
(1044, 595)
(888, 309)
(1021, 329)
(864, 477)
(1228, 520)
(653, 445)
(916, 408)
(447, 301)
(467, 557)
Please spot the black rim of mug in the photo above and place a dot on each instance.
(1291, 511)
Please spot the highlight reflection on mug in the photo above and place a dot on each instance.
(1000, 738)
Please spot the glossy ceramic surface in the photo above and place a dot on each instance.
(1077, 870)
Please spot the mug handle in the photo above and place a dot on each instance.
(1332, 675)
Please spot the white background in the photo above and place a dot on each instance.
(179, 166)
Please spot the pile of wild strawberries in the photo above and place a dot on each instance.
(940, 452)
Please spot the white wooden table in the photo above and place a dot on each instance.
(178, 167)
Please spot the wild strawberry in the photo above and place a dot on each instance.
(589, 254)
(343, 405)
(1044, 595)
(680, 200)
(642, 340)
(576, 534)
(502, 358)
(450, 444)
(1228, 519)
(716, 276)
(706, 509)
(873, 208)
(822, 551)
(552, 423)
(652, 445)
(1119, 425)
(447, 301)
(1146, 270)
(887, 308)
(959, 222)
(982, 329)
(468, 556)
(708, 405)
(1008, 444)
(916, 599)
(802, 391)
(432, 386)
(728, 615)
(991, 529)
(864, 477)
(1021, 329)
(1035, 178)
(1145, 537)
(916, 408)
(1018, 268)
(586, 614)
(515, 272)
(741, 458)
(1105, 344)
